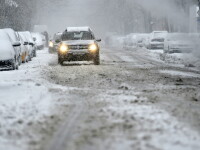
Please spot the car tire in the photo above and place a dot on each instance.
(34, 53)
(60, 61)
(29, 58)
(97, 60)
(14, 64)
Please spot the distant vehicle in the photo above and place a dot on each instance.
(178, 43)
(15, 41)
(39, 40)
(8, 56)
(130, 40)
(43, 29)
(24, 48)
(157, 39)
(141, 38)
(78, 44)
(53, 44)
(31, 44)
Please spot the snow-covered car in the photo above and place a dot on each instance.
(31, 44)
(39, 40)
(24, 47)
(15, 41)
(178, 43)
(157, 39)
(53, 44)
(78, 44)
(130, 40)
(140, 39)
(8, 57)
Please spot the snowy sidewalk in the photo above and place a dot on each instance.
(23, 101)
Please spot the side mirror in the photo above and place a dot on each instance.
(34, 39)
(25, 43)
(98, 40)
(15, 44)
(31, 43)
(58, 41)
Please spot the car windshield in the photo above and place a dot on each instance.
(82, 35)
(159, 34)
(158, 40)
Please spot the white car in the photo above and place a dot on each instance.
(39, 40)
(24, 47)
(8, 57)
(178, 43)
(157, 39)
(130, 40)
(31, 44)
(141, 39)
(15, 41)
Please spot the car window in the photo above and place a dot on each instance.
(83, 35)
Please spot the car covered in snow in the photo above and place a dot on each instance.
(178, 43)
(53, 44)
(39, 40)
(157, 39)
(15, 41)
(31, 44)
(8, 56)
(141, 39)
(24, 47)
(78, 44)
(130, 41)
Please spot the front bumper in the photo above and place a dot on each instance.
(78, 55)
(157, 46)
(180, 49)
(6, 63)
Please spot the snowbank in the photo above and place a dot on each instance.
(24, 100)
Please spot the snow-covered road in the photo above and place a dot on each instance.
(133, 100)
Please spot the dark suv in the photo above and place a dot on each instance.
(78, 44)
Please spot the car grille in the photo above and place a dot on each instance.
(78, 47)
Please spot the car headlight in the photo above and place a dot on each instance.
(93, 47)
(63, 48)
(51, 44)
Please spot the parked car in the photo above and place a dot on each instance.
(39, 40)
(78, 44)
(178, 43)
(157, 39)
(8, 55)
(53, 44)
(31, 44)
(15, 41)
(24, 47)
(140, 39)
(130, 40)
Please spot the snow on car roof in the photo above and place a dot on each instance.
(4, 35)
(160, 31)
(11, 34)
(71, 29)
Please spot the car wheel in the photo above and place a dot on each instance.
(34, 53)
(19, 60)
(29, 58)
(14, 64)
(97, 60)
(60, 61)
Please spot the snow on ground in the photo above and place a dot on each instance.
(23, 100)
(180, 73)
(184, 59)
